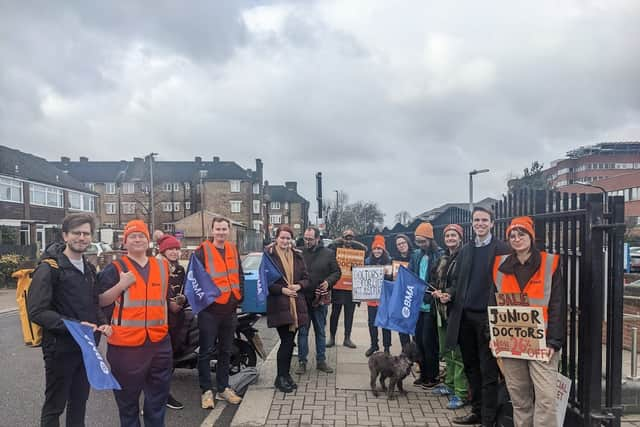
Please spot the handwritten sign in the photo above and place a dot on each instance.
(347, 259)
(562, 398)
(396, 266)
(518, 332)
(367, 282)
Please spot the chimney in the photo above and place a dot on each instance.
(65, 160)
(259, 170)
(84, 159)
(216, 159)
(137, 160)
(198, 160)
(123, 165)
(291, 185)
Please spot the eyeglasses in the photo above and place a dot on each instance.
(349, 237)
(421, 241)
(309, 239)
(80, 233)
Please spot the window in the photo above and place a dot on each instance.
(176, 186)
(167, 206)
(275, 219)
(81, 202)
(128, 208)
(256, 207)
(187, 206)
(10, 190)
(110, 188)
(176, 206)
(286, 205)
(236, 205)
(46, 196)
(635, 193)
(110, 208)
(167, 187)
(187, 187)
(274, 205)
(256, 225)
(168, 227)
(128, 188)
(235, 186)
(90, 186)
(256, 188)
(108, 224)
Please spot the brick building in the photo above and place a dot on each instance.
(287, 207)
(35, 196)
(123, 187)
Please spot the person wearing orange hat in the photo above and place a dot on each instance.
(379, 256)
(455, 382)
(139, 350)
(169, 248)
(422, 263)
(534, 273)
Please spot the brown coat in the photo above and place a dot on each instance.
(278, 313)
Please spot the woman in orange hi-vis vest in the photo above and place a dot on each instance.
(139, 348)
(535, 277)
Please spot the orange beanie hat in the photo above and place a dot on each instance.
(378, 242)
(136, 226)
(456, 228)
(425, 229)
(523, 222)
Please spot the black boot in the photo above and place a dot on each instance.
(348, 343)
(331, 342)
(291, 382)
(283, 385)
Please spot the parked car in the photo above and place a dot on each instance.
(635, 259)
(97, 248)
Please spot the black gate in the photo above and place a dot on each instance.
(588, 232)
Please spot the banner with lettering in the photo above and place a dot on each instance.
(562, 398)
(404, 304)
(347, 259)
(199, 289)
(518, 332)
(367, 282)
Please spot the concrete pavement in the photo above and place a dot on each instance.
(8, 300)
(342, 398)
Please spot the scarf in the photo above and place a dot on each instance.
(286, 258)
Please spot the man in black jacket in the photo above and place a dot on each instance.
(64, 287)
(324, 272)
(468, 323)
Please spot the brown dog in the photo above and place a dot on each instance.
(396, 368)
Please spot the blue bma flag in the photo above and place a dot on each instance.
(404, 304)
(382, 317)
(199, 289)
(98, 372)
(267, 274)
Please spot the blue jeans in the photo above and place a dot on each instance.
(318, 317)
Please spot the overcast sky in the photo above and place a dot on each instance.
(394, 102)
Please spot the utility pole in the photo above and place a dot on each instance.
(203, 173)
(153, 210)
(471, 174)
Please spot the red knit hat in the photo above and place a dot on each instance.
(135, 226)
(378, 242)
(425, 229)
(168, 242)
(456, 228)
(523, 222)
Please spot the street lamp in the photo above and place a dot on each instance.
(267, 202)
(153, 216)
(604, 192)
(471, 174)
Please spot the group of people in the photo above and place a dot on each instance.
(137, 301)
(462, 281)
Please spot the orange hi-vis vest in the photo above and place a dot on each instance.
(224, 273)
(141, 310)
(537, 289)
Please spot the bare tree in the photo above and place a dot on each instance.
(403, 217)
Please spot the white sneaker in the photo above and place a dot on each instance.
(230, 396)
(207, 400)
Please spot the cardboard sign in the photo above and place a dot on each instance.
(518, 332)
(562, 398)
(347, 258)
(396, 266)
(367, 282)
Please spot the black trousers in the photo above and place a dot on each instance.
(216, 335)
(66, 386)
(146, 368)
(349, 309)
(427, 342)
(479, 364)
(372, 312)
(285, 351)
